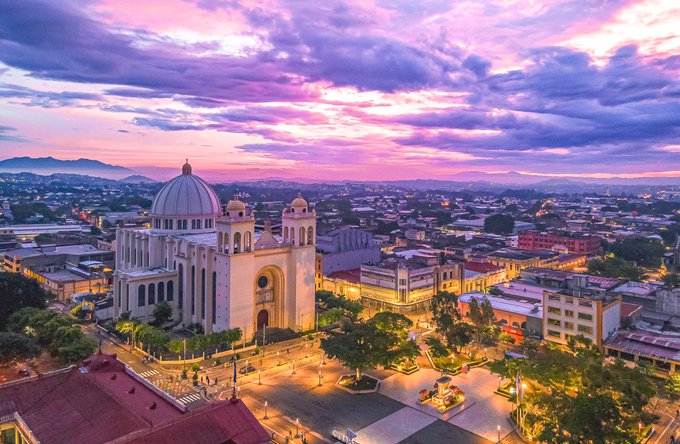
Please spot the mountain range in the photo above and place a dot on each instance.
(50, 165)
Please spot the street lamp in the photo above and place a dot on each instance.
(297, 427)
(293, 366)
(320, 376)
(265, 411)
(259, 375)
(498, 428)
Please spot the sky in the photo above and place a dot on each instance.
(345, 89)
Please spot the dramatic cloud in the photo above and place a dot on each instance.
(344, 88)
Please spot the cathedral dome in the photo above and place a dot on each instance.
(186, 195)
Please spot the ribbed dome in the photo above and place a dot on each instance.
(299, 202)
(236, 205)
(186, 195)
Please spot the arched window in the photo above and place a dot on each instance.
(180, 286)
(161, 291)
(302, 236)
(248, 241)
(193, 289)
(120, 296)
(285, 234)
(202, 293)
(523, 325)
(214, 297)
(292, 236)
(169, 295)
(515, 324)
(226, 243)
(237, 243)
(504, 321)
(220, 242)
(310, 236)
(141, 296)
(152, 294)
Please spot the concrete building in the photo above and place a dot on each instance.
(480, 276)
(408, 285)
(346, 249)
(211, 266)
(579, 311)
(560, 241)
(519, 318)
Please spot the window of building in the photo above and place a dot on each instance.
(214, 297)
(180, 286)
(141, 296)
(152, 294)
(402, 281)
(585, 303)
(193, 289)
(554, 310)
(585, 329)
(554, 322)
(569, 313)
(554, 298)
(568, 300)
(554, 334)
(161, 291)
(585, 316)
(569, 325)
(203, 293)
(170, 290)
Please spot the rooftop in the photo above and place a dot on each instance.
(525, 308)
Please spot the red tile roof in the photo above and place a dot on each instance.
(353, 276)
(104, 401)
(628, 309)
(481, 267)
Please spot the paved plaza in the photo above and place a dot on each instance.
(481, 412)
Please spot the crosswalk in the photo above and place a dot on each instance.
(193, 397)
(149, 373)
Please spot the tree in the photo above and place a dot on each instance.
(351, 309)
(17, 346)
(437, 347)
(644, 252)
(483, 318)
(361, 346)
(17, 292)
(616, 268)
(162, 313)
(672, 385)
(671, 279)
(151, 338)
(448, 320)
(391, 322)
(499, 224)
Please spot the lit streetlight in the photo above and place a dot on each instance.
(265, 410)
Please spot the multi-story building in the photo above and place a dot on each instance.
(408, 285)
(346, 249)
(515, 260)
(595, 315)
(560, 241)
(480, 276)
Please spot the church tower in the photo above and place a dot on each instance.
(299, 224)
(235, 229)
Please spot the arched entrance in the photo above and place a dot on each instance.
(262, 319)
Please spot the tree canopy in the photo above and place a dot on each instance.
(615, 267)
(644, 252)
(17, 292)
(499, 224)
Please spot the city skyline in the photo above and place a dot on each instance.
(344, 90)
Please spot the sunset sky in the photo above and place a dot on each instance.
(330, 89)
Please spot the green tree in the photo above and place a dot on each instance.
(361, 346)
(391, 322)
(449, 321)
(151, 338)
(644, 252)
(17, 346)
(17, 292)
(615, 267)
(437, 347)
(162, 313)
(483, 318)
(499, 224)
(672, 385)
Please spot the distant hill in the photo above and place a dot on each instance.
(50, 165)
(136, 178)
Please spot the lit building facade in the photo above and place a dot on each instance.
(208, 263)
(568, 242)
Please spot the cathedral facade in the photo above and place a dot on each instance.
(209, 264)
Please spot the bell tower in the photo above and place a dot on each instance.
(299, 224)
(235, 229)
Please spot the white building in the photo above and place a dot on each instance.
(212, 267)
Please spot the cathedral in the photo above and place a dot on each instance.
(209, 264)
